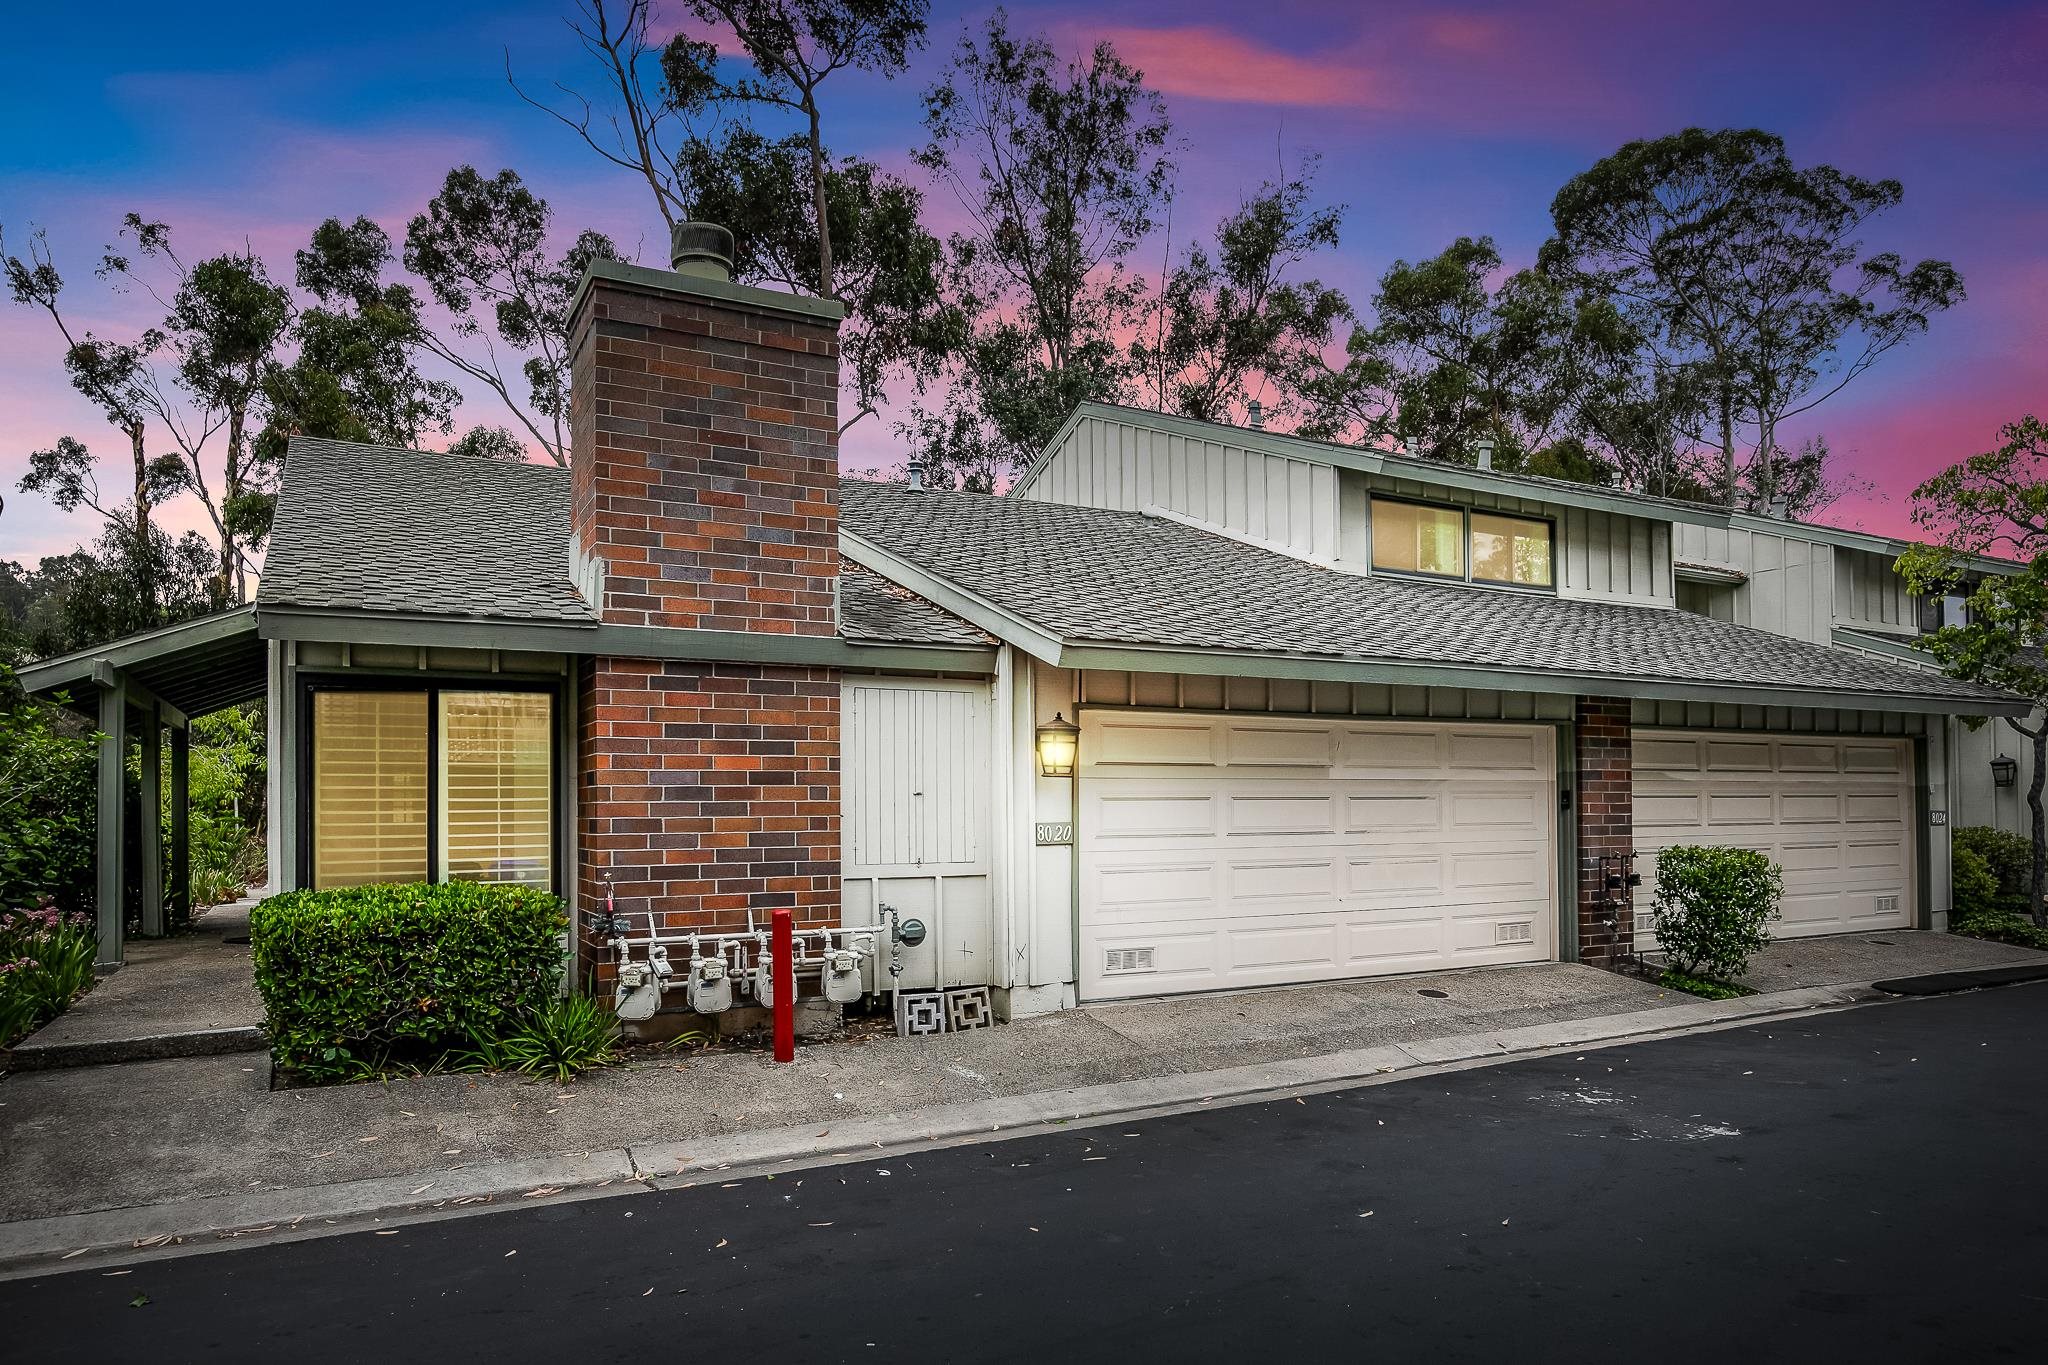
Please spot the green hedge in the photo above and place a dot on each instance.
(356, 980)
(1994, 872)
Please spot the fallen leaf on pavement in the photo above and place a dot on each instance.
(722, 1242)
(545, 1189)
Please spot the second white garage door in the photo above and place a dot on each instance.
(1835, 813)
(1226, 851)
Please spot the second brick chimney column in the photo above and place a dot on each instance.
(1603, 763)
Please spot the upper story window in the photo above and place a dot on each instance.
(1949, 609)
(1449, 542)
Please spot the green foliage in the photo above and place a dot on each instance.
(556, 1040)
(1701, 986)
(1992, 871)
(377, 975)
(1714, 908)
(46, 802)
(46, 959)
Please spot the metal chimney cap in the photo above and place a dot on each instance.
(701, 249)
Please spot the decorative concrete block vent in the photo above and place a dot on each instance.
(954, 1011)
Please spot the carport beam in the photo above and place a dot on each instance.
(112, 877)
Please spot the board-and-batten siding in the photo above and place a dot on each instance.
(1317, 512)
(1286, 503)
(1791, 587)
(1869, 592)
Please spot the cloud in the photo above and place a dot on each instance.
(1213, 64)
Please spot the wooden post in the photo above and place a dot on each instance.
(112, 869)
(149, 823)
(179, 893)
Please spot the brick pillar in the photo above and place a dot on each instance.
(1601, 758)
(704, 430)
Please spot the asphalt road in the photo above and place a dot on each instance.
(1863, 1185)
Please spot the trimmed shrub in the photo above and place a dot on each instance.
(1714, 908)
(362, 978)
(2007, 858)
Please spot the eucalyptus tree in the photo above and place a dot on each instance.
(1747, 272)
(1061, 169)
(481, 248)
(1230, 326)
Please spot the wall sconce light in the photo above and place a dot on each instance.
(1059, 740)
(2005, 772)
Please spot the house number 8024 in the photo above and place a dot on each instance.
(1937, 817)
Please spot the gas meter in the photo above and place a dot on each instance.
(710, 986)
(638, 994)
(841, 976)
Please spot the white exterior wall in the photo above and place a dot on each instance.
(1286, 504)
(1791, 587)
(1868, 593)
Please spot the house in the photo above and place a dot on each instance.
(1192, 707)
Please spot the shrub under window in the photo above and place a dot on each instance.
(359, 978)
(1714, 908)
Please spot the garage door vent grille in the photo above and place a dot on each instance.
(1887, 905)
(1120, 961)
(1517, 931)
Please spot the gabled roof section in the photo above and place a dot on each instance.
(383, 529)
(1092, 588)
(874, 610)
(1561, 492)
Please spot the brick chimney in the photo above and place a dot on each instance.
(704, 451)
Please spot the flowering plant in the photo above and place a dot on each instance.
(46, 958)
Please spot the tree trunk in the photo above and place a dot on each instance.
(2040, 738)
(818, 205)
(1728, 447)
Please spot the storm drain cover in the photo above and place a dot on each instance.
(1436, 995)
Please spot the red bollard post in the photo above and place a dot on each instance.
(782, 940)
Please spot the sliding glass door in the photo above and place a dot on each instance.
(431, 784)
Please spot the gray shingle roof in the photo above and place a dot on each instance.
(1122, 578)
(375, 528)
(379, 528)
(872, 609)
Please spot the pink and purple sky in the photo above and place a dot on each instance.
(258, 120)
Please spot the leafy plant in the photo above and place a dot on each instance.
(1992, 872)
(2001, 927)
(557, 1040)
(46, 802)
(396, 975)
(46, 961)
(1714, 907)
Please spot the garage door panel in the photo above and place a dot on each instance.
(1804, 807)
(1390, 751)
(1388, 858)
(1835, 814)
(1169, 743)
(1506, 751)
(1485, 810)
(1394, 811)
(1143, 816)
(1270, 813)
(1263, 746)
(1738, 756)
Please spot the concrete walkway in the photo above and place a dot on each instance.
(188, 996)
(201, 1147)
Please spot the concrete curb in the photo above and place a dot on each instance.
(214, 1042)
(74, 1241)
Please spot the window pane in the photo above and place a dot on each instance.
(497, 793)
(1412, 539)
(1510, 550)
(369, 787)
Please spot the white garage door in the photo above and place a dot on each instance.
(1224, 851)
(1835, 813)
